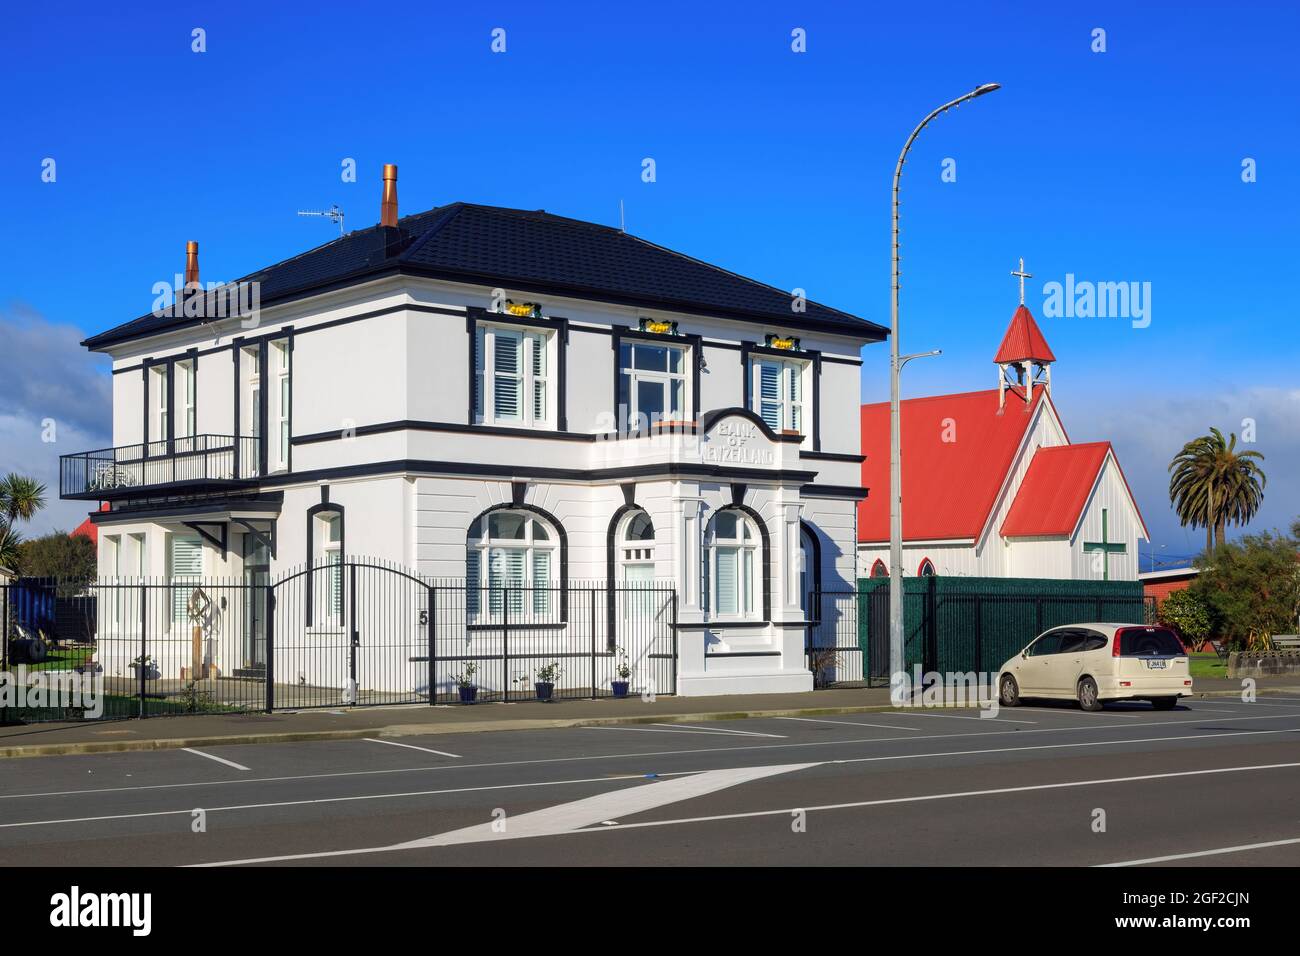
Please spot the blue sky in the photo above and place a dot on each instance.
(1116, 166)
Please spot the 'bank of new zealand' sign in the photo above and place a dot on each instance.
(738, 442)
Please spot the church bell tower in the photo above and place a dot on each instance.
(1024, 359)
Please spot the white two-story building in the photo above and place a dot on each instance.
(495, 398)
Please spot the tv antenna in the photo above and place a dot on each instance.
(333, 212)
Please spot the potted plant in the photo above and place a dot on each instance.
(546, 678)
(465, 683)
(145, 666)
(622, 672)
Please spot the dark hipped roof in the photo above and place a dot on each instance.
(530, 251)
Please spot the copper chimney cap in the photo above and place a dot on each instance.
(191, 264)
(388, 207)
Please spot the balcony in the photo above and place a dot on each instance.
(192, 464)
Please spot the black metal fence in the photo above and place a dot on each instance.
(354, 633)
(835, 651)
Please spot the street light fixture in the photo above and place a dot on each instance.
(895, 445)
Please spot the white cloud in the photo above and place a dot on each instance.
(1149, 432)
(50, 387)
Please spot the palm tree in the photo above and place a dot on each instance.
(1213, 484)
(20, 498)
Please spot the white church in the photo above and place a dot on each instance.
(993, 485)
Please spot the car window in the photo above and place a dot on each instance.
(1094, 641)
(1149, 642)
(1047, 644)
(1072, 641)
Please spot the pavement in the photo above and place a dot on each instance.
(1034, 785)
(174, 732)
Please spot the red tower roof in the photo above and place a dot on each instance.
(1023, 341)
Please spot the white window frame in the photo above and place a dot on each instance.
(283, 403)
(633, 376)
(536, 390)
(186, 388)
(792, 373)
(534, 599)
(747, 547)
(331, 556)
(161, 401)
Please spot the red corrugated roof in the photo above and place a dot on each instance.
(949, 487)
(1023, 341)
(1055, 489)
(87, 529)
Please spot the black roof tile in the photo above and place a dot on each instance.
(529, 251)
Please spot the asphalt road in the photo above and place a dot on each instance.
(1038, 785)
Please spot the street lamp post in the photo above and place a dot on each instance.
(895, 448)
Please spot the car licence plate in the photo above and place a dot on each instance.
(1156, 665)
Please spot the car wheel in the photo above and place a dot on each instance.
(1164, 703)
(1088, 694)
(1009, 691)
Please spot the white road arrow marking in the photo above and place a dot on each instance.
(567, 817)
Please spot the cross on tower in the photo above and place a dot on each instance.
(1106, 547)
(1023, 276)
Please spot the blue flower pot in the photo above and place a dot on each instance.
(544, 691)
(468, 694)
(620, 687)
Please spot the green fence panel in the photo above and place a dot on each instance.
(977, 624)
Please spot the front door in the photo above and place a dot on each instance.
(257, 574)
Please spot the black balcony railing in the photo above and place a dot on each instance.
(193, 461)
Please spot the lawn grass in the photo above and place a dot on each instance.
(1207, 664)
(61, 660)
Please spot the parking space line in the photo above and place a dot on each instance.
(653, 730)
(228, 763)
(394, 743)
(1189, 856)
(1005, 720)
(851, 723)
(724, 730)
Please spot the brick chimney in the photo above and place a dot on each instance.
(388, 207)
(192, 265)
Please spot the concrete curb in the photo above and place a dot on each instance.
(468, 727)
(410, 730)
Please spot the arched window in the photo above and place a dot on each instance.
(732, 570)
(512, 566)
(636, 548)
(878, 570)
(926, 570)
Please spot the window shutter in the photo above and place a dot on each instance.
(335, 560)
(769, 394)
(186, 565)
(727, 573)
(508, 373)
(479, 359)
(472, 581)
(537, 365)
(515, 578)
(541, 582)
